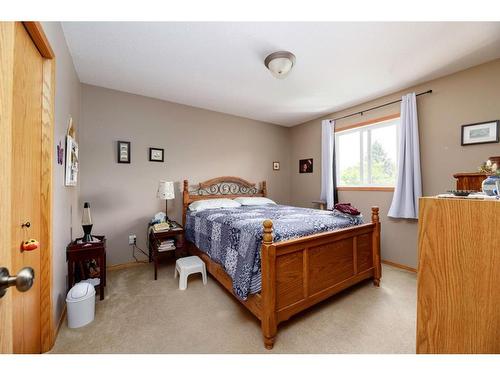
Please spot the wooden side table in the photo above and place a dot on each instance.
(155, 240)
(321, 204)
(78, 252)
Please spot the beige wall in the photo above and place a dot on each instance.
(199, 145)
(67, 104)
(465, 97)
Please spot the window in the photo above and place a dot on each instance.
(367, 156)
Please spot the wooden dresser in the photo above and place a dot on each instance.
(458, 308)
(470, 181)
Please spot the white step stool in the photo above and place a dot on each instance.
(187, 266)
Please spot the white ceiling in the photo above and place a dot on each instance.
(219, 65)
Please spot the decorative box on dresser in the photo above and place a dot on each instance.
(470, 181)
(458, 309)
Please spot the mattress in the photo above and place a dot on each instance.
(232, 237)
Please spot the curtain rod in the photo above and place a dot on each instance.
(377, 107)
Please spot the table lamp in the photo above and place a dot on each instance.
(165, 191)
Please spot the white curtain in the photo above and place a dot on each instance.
(409, 184)
(327, 163)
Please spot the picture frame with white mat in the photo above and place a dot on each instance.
(480, 133)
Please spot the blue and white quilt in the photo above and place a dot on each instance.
(232, 236)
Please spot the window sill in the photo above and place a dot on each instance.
(365, 188)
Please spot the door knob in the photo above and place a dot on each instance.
(23, 280)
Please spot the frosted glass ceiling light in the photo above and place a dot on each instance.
(280, 63)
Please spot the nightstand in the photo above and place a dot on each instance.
(321, 204)
(155, 240)
(78, 251)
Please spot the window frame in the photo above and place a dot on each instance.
(359, 125)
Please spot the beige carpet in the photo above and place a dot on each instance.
(140, 315)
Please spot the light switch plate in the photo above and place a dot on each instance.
(132, 238)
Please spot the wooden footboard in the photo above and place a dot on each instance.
(299, 273)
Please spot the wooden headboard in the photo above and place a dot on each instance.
(220, 187)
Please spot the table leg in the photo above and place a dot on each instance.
(155, 260)
(150, 249)
(70, 274)
(104, 268)
(180, 240)
(102, 277)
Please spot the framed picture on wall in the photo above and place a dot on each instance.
(481, 132)
(276, 165)
(306, 166)
(123, 152)
(156, 154)
(71, 175)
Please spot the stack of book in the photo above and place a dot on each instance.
(166, 245)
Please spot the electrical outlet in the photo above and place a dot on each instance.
(132, 239)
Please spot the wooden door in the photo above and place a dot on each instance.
(26, 177)
(24, 325)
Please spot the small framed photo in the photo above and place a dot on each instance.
(276, 165)
(156, 154)
(123, 152)
(306, 166)
(481, 132)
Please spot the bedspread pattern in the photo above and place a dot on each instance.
(232, 236)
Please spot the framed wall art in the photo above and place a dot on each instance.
(71, 175)
(60, 153)
(123, 152)
(156, 154)
(306, 166)
(480, 133)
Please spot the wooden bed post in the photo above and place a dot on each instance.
(185, 200)
(268, 292)
(376, 247)
(264, 188)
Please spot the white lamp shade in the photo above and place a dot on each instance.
(165, 190)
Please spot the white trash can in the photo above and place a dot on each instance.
(80, 303)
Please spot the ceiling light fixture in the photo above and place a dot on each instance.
(280, 63)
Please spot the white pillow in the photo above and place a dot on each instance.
(213, 203)
(254, 201)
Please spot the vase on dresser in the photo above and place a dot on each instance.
(489, 185)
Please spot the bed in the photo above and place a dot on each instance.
(297, 265)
